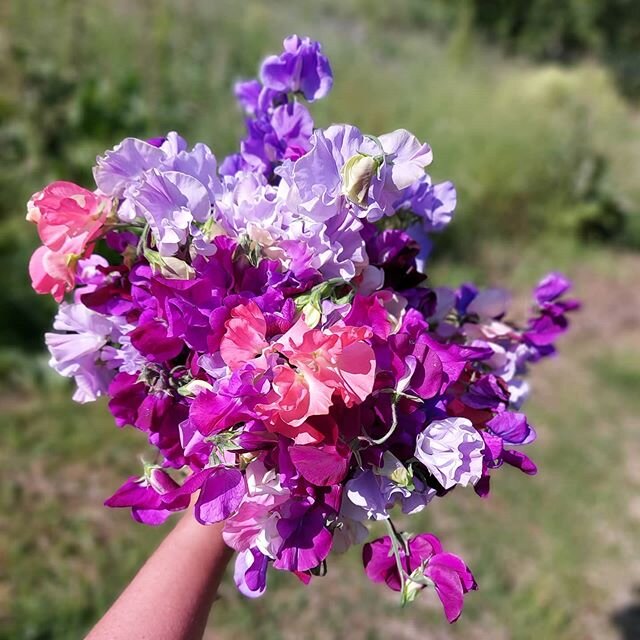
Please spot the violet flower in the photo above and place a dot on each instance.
(300, 67)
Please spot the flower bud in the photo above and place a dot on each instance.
(159, 480)
(192, 388)
(312, 313)
(357, 174)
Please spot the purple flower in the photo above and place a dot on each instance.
(452, 451)
(232, 164)
(124, 164)
(152, 498)
(77, 353)
(370, 496)
(551, 322)
(250, 572)
(363, 497)
(151, 339)
(489, 303)
(406, 156)
(300, 67)
(170, 202)
(395, 251)
(270, 218)
(449, 574)
(495, 455)
(247, 94)
(126, 395)
(306, 541)
(512, 427)
(452, 579)
(233, 401)
(284, 134)
(434, 204)
(347, 169)
(220, 495)
(159, 416)
(488, 392)
(552, 286)
(416, 365)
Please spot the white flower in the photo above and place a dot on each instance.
(451, 449)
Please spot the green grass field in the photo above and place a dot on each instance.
(541, 152)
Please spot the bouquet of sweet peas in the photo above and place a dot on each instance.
(266, 323)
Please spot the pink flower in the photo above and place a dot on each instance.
(255, 524)
(337, 358)
(244, 338)
(298, 396)
(54, 271)
(316, 364)
(63, 210)
(69, 220)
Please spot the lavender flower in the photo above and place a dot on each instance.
(451, 449)
(76, 353)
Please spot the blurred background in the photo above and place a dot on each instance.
(531, 107)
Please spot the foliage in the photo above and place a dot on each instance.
(543, 30)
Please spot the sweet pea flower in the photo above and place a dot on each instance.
(123, 164)
(426, 559)
(274, 343)
(69, 220)
(318, 363)
(364, 497)
(250, 572)
(345, 168)
(337, 359)
(149, 502)
(551, 287)
(170, 201)
(434, 204)
(452, 451)
(306, 540)
(370, 496)
(407, 156)
(54, 271)
(300, 67)
(76, 353)
(254, 524)
(64, 211)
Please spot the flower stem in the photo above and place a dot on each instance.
(394, 536)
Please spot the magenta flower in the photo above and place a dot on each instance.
(448, 573)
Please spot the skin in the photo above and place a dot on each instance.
(172, 594)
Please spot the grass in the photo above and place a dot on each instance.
(554, 555)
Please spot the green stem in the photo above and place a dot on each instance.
(393, 535)
(394, 425)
